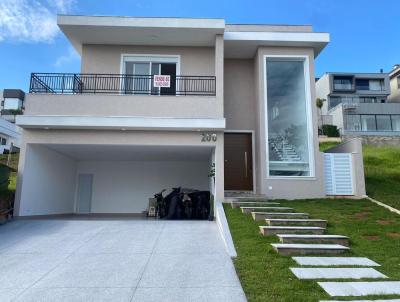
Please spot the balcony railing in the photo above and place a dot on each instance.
(74, 83)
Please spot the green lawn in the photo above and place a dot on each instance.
(265, 275)
(382, 172)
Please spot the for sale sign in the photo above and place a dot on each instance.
(163, 81)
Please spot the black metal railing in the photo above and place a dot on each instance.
(74, 83)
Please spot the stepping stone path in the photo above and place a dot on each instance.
(248, 210)
(300, 236)
(335, 261)
(336, 273)
(238, 204)
(265, 215)
(323, 239)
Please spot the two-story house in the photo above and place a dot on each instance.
(358, 104)
(159, 102)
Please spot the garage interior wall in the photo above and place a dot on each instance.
(125, 186)
(48, 183)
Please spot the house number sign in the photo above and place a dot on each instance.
(208, 137)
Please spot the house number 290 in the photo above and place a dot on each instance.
(208, 137)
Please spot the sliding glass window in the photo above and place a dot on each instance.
(289, 153)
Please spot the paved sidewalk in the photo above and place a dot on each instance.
(115, 260)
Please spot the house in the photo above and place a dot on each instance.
(394, 76)
(160, 101)
(11, 105)
(358, 104)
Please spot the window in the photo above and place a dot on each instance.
(342, 83)
(370, 84)
(288, 134)
(334, 101)
(367, 99)
(376, 85)
(140, 70)
(352, 122)
(3, 141)
(368, 123)
(396, 122)
(383, 123)
(362, 84)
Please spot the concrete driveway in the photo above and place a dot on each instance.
(115, 260)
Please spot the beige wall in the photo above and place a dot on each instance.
(394, 90)
(147, 138)
(123, 105)
(107, 58)
(312, 187)
(239, 104)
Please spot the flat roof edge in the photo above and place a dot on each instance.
(77, 20)
(278, 36)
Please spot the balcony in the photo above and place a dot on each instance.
(125, 84)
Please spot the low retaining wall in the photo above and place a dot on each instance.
(377, 140)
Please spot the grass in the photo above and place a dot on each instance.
(8, 179)
(265, 275)
(382, 173)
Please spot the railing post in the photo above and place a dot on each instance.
(95, 83)
(62, 84)
(30, 83)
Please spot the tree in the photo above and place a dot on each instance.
(320, 103)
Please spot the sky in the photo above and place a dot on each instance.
(365, 35)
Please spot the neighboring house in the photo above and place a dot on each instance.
(394, 76)
(358, 104)
(11, 105)
(159, 101)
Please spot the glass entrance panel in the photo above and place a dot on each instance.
(288, 137)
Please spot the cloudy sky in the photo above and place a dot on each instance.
(364, 34)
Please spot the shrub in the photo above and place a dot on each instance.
(330, 131)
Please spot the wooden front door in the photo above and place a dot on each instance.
(238, 162)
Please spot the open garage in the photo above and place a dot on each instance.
(101, 178)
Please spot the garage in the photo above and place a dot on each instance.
(107, 178)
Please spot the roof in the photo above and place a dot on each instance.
(241, 40)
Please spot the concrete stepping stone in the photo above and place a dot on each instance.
(335, 261)
(248, 210)
(274, 230)
(336, 273)
(238, 204)
(297, 222)
(391, 300)
(293, 238)
(288, 249)
(264, 215)
(376, 288)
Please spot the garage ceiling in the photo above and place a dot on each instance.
(133, 153)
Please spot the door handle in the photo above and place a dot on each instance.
(245, 164)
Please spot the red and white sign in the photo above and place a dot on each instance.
(163, 81)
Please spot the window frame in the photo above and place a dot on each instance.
(308, 99)
(150, 58)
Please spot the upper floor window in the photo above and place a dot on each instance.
(140, 72)
(370, 84)
(342, 83)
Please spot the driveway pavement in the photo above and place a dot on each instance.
(115, 260)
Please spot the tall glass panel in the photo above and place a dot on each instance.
(396, 122)
(383, 123)
(352, 122)
(287, 118)
(368, 123)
